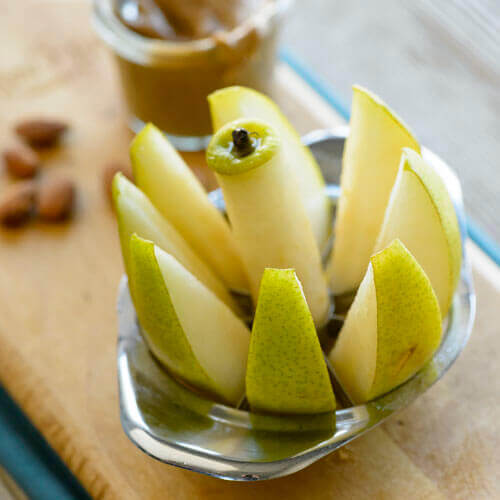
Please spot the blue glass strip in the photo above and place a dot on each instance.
(29, 459)
(483, 240)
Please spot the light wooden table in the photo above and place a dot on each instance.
(58, 321)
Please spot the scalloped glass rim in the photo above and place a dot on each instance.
(175, 425)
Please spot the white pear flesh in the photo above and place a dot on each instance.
(286, 372)
(392, 328)
(421, 214)
(232, 103)
(194, 334)
(136, 214)
(269, 222)
(162, 174)
(369, 169)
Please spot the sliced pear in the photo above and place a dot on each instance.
(421, 214)
(194, 334)
(269, 221)
(369, 168)
(286, 370)
(233, 103)
(162, 174)
(392, 329)
(136, 214)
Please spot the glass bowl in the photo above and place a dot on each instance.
(177, 426)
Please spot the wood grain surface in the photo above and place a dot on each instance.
(58, 323)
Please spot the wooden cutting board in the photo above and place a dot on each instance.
(58, 324)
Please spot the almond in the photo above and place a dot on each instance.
(109, 172)
(21, 162)
(16, 203)
(55, 198)
(41, 133)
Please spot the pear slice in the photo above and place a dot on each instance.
(286, 370)
(268, 219)
(164, 177)
(392, 328)
(421, 214)
(369, 168)
(136, 214)
(195, 335)
(232, 103)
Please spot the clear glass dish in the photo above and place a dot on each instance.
(174, 425)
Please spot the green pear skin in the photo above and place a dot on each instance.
(392, 328)
(269, 222)
(194, 334)
(232, 103)
(136, 214)
(162, 174)
(286, 372)
(369, 168)
(421, 214)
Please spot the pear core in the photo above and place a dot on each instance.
(224, 157)
(236, 102)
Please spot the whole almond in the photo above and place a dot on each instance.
(109, 172)
(16, 203)
(21, 162)
(41, 133)
(55, 198)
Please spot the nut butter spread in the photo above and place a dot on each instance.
(170, 89)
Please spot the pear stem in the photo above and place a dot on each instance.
(242, 143)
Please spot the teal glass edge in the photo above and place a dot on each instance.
(29, 459)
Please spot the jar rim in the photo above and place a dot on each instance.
(133, 46)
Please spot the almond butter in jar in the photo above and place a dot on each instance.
(172, 54)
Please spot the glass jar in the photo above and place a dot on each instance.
(167, 82)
